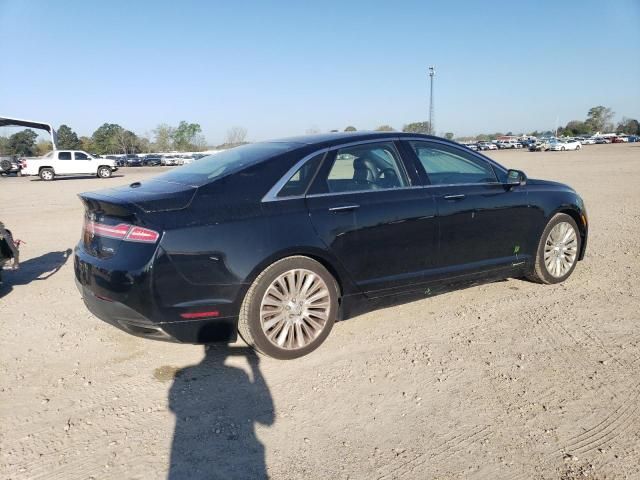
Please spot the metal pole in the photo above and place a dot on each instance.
(432, 72)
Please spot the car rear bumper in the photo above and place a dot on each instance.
(126, 300)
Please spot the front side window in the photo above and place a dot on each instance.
(449, 166)
(81, 156)
(64, 155)
(371, 166)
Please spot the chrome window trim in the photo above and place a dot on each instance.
(328, 194)
(272, 194)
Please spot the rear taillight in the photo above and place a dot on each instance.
(122, 231)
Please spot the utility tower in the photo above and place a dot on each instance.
(432, 72)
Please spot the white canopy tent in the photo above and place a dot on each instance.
(17, 122)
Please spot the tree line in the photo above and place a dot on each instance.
(111, 138)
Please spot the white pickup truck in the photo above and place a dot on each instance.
(67, 162)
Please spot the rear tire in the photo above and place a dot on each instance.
(5, 165)
(562, 251)
(104, 172)
(281, 318)
(47, 174)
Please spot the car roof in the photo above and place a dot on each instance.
(328, 139)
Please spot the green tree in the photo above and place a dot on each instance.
(184, 135)
(86, 144)
(23, 143)
(67, 138)
(163, 138)
(350, 128)
(385, 128)
(576, 127)
(104, 139)
(599, 118)
(43, 147)
(630, 126)
(417, 127)
(4, 145)
(448, 135)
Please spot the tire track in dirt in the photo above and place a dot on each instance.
(600, 435)
(444, 450)
(612, 426)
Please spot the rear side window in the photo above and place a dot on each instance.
(81, 156)
(64, 155)
(446, 165)
(299, 182)
(216, 166)
(371, 166)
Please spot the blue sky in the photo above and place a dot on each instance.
(280, 68)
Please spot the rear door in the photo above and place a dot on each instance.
(64, 163)
(370, 211)
(483, 223)
(83, 163)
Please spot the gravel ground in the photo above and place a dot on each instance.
(506, 380)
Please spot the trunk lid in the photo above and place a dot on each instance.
(150, 195)
(121, 217)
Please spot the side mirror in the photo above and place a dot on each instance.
(515, 178)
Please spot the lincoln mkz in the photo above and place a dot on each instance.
(276, 240)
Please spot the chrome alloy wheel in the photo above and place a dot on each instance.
(295, 309)
(560, 249)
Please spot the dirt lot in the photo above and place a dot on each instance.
(506, 380)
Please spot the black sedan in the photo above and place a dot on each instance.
(277, 240)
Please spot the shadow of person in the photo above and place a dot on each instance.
(216, 408)
(33, 269)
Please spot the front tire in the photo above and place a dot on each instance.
(104, 172)
(290, 308)
(47, 174)
(558, 250)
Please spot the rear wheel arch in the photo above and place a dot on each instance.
(318, 256)
(296, 337)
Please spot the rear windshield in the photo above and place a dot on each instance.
(218, 165)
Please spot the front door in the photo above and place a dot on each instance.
(380, 226)
(484, 224)
(83, 163)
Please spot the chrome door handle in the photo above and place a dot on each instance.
(344, 208)
(459, 196)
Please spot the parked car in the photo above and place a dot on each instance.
(277, 240)
(587, 141)
(68, 162)
(602, 140)
(634, 138)
(472, 146)
(562, 145)
(9, 164)
(539, 146)
(169, 161)
(504, 144)
(152, 160)
(133, 160)
(619, 139)
(487, 146)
